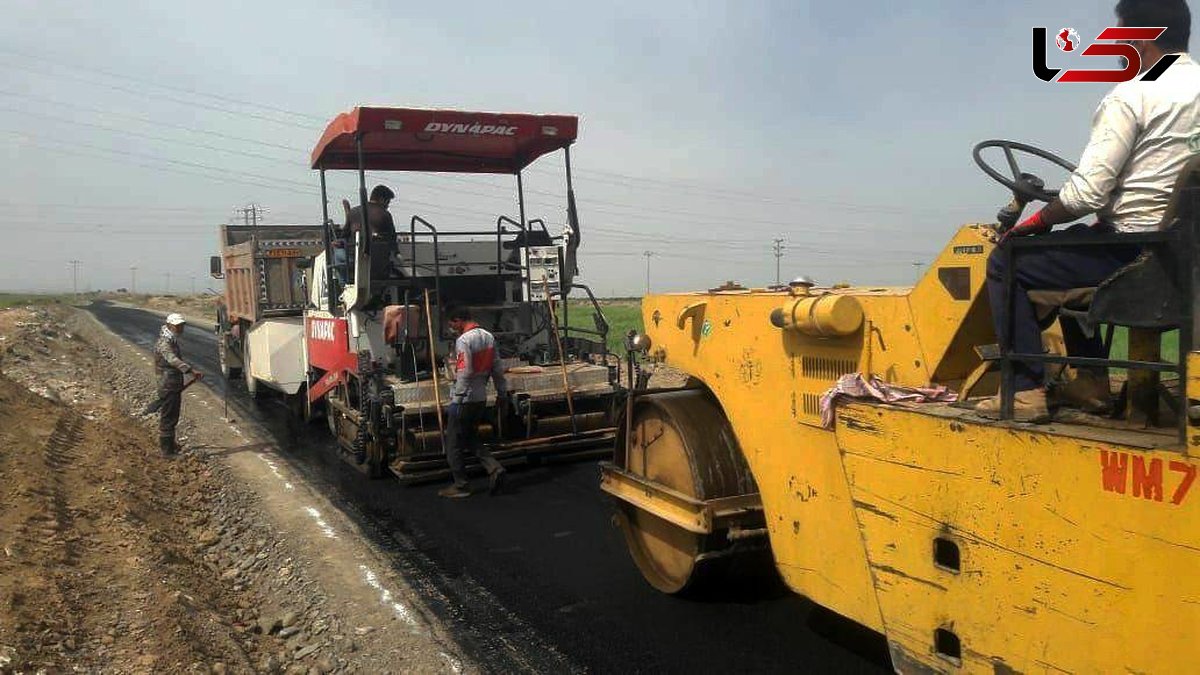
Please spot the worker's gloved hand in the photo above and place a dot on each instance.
(197, 374)
(1034, 224)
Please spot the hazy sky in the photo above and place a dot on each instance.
(131, 130)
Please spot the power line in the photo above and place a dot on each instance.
(614, 207)
(139, 134)
(36, 141)
(173, 99)
(625, 180)
(159, 123)
(156, 158)
(588, 202)
(41, 58)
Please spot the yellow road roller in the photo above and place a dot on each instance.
(972, 545)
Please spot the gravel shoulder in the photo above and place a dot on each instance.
(114, 559)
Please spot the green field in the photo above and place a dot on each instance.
(622, 316)
(1120, 345)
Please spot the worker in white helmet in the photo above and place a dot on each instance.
(170, 368)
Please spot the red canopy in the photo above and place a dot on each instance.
(408, 139)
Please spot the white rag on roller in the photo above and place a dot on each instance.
(854, 386)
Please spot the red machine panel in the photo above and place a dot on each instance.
(328, 341)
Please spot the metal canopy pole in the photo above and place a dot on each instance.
(330, 291)
(523, 260)
(573, 223)
(567, 161)
(521, 203)
(572, 211)
(363, 229)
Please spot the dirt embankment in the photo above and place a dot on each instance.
(113, 559)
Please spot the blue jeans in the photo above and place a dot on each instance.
(339, 264)
(1051, 269)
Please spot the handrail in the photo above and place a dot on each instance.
(541, 222)
(1181, 236)
(500, 232)
(437, 270)
(597, 311)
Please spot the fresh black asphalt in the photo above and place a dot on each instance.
(538, 579)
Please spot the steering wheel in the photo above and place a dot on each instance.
(1025, 186)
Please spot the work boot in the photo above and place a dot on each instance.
(496, 481)
(454, 492)
(1088, 391)
(167, 445)
(1028, 406)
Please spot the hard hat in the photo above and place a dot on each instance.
(175, 319)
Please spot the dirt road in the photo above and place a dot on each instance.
(113, 559)
(539, 580)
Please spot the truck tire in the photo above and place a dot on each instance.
(227, 371)
(332, 422)
(247, 371)
(301, 409)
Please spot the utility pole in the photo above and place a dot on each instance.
(168, 276)
(193, 278)
(648, 254)
(918, 266)
(133, 279)
(778, 246)
(74, 275)
(251, 213)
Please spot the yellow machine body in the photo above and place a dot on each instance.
(973, 546)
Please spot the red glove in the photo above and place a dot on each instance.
(1034, 224)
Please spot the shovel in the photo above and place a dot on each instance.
(156, 405)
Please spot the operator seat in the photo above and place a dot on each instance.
(1147, 296)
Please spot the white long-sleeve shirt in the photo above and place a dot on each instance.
(1142, 135)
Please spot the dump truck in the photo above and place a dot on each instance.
(971, 545)
(260, 315)
(377, 350)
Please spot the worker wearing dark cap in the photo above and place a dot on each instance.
(381, 230)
